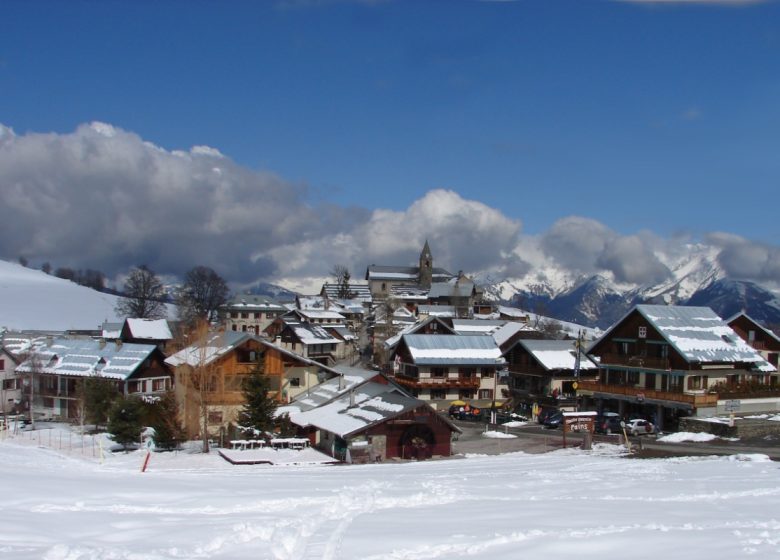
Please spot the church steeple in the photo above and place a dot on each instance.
(426, 266)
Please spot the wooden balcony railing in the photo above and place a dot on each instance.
(649, 362)
(696, 400)
(437, 382)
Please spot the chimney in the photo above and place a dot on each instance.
(341, 382)
(102, 343)
(278, 340)
(118, 343)
(352, 398)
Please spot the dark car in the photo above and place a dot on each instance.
(608, 423)
(553, 421)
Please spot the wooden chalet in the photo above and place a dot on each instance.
(665, 362)
(223, 360)
(360, 416)
(58, 366)
(544, 372)
(449, 367)
(761, 339)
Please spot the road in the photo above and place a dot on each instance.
(536, 439)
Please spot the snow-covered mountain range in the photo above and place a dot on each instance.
(599, 300)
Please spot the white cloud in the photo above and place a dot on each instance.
(103, 198)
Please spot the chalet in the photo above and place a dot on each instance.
(360, 417)
(758, 337)
(381, 279)
(221, 362)
(544, 372)
(250, 313)
(311, 340)
(146, 331)
(665, 362)
(449, 367)
(58, 366)
(10, 384)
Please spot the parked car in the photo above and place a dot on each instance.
(639, 426)
(608, 423)
(553, 421)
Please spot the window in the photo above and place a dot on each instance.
(486, 393)
(2, 363)
(244, 315)
(295, 382)
(134, 387)
(215, 417)
(438, 394)
(467, 372)
(438, 372)
(158, 385)
(695, 382)
(487, 373)
(642, 332)
(633, 378)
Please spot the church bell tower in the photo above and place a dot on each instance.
(426, 266)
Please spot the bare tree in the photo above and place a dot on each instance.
(203, 293)
(196, 375)
(143, 295)
(342, 277)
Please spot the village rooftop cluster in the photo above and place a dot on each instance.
(368, 371)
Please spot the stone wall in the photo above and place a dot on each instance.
(744, 428)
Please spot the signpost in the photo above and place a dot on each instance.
(583, 422)
(731, 407)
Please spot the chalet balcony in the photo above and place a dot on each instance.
(461, 382)
(694, 399)
(649, 362)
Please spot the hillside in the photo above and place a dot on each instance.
(33, 300)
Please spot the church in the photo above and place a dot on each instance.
(383, 280)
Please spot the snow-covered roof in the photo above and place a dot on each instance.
(218, 344)
(316, 314)
(765, 330)
(508, 330)
(556, 354)
(328, 390)
(414, 292)
(360, 292)
(513, 312)
(149, 329)
(343, 331)
(87, 357)
(698, 334)
(309, 333)
(250, 302)
(477, 326)
(432, 349)
(415, 327)
(369, 404)
(451, 288)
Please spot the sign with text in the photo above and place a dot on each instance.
(733, 405)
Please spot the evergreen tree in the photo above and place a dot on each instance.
(126, 420)
(99, 394)
(164, 413)
(258, 412)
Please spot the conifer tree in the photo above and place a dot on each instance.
(126, 421)
(258, 412)
(164, 418)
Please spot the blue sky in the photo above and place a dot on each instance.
(658, 116)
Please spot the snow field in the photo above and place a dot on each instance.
(563, 504)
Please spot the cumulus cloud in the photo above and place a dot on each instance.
(742, 258)
(101, 197)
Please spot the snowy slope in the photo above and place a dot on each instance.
(560, 505)
(31, 299)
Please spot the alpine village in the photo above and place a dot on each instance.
(387, 369)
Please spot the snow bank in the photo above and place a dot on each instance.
(498, 435)
(680, 437)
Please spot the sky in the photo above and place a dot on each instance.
(563, 504)
(272, 140)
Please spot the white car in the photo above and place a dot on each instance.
(638, 427)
